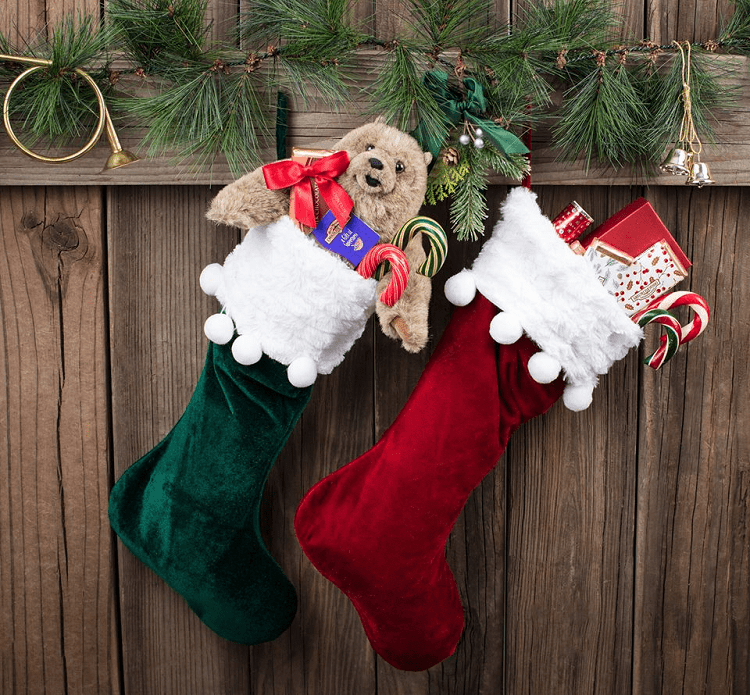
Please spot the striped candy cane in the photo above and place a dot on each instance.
(436, 237)
(690, 299)
(387, 253)
(669, 342)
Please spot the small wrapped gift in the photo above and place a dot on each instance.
(635, 257)
(306, 158)
(635, 282)
(311, 175)
(635, 229)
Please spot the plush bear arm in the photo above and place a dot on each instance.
(407, 319)
(247, 203)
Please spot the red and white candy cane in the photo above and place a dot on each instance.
(399, 266)
(689, 299)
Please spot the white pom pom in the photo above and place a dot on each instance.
(219, 329)
(302, 372)
(247, 350)
(505, 328)
(210, 278)
(460, 289)
(544, 368)
(578, 398)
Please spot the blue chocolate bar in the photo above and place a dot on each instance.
(352, 242)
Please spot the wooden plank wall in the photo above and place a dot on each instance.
(607, 553)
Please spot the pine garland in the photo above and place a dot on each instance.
(621, 103)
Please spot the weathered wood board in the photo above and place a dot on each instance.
(606, 553)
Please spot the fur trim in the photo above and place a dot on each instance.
(297, 299)
(528, 271)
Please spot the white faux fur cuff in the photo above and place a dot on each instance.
(526, 270)
(294, 300)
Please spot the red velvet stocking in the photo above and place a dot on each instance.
(377, 527)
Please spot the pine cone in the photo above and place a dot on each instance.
(450, 156)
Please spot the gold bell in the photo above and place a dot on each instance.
(700, 175)
(677, 162)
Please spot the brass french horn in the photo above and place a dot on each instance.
(119, 156)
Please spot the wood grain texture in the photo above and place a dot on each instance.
(56, 573)
(685, 20)
(691, 622)
(335, 428)
(571, 495)
(159, 242)
(222, 14)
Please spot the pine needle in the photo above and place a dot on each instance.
(158, 34)
(401, 94)
(603, 117)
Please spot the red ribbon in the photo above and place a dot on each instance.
(288, 173)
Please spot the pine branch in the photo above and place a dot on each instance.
(158, 34)
(314, 30)
(468, 210)
(307, 78)
(400, 93)
(207, 112)
(604, 117)
(736, 34)
(442, 24)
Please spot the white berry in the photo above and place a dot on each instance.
(478, 143)
(464, 139)
(478, 132)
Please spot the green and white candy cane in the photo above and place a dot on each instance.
(669, 342)
(436, 237)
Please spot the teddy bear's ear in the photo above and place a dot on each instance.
(427, 158)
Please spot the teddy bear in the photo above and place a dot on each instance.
(386, 180)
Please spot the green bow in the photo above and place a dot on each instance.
(458, 110)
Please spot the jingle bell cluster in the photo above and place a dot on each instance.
(681, 162)
(684, 159)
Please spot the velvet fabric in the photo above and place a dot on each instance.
(189, 509)
(377, 527)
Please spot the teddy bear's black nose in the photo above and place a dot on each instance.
(376, 163)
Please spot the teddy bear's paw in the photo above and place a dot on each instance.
(413, 338)
(544, 368)
(210, 278)
(247, 349)
(505, 328)
(302, 372)
(578, 397)
(460, 289)
(219, 329)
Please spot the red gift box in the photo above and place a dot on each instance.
(634, 229)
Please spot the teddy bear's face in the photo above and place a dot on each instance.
(386, 177)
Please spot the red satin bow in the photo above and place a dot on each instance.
(288, 173)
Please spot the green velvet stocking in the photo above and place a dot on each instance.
(189, 509)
